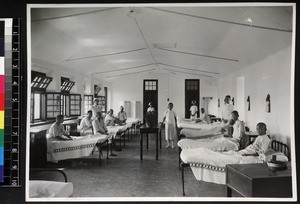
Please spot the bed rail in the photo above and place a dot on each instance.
(281, 147)
(59, 170)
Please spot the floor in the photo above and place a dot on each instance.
(127, 176)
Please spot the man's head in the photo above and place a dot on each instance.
(110, 112)
(234, 115)
(261, 128)
(89, 113)
(194, 102)
(227, 99)
(150, 104)
(202, 110)
(170, 106)
(60, 119)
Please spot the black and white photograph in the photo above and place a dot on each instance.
(161, 102)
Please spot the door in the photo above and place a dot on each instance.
(150, 94)
(191, 94)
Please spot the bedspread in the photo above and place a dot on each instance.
(216, 143)
(69, 149)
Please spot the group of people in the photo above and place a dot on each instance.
(92, 123)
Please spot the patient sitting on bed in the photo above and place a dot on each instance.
(261, 143)
(111, 120)
(86, 124)
(100, 128)
(57, 129)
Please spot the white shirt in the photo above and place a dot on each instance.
(95, 109)
(193, 111)
(109, 120)
(98, 126)
(259, 146)
(238, 130)
(227, 110)
(57, 130)
(85, 124)
(122, 115)
(150, 109)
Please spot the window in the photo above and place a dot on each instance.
(39, 83)
(53, 104)
(102, 102)
(150, 85)
(66, 85)
(192, 85)
(88, 102)
(37, 106)
(75, 104)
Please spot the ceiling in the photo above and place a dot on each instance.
(209, 42)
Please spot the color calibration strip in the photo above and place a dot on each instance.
(11, 103)
(2, 99)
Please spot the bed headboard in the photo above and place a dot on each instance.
(281, 147)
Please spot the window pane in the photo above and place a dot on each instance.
(37, 106)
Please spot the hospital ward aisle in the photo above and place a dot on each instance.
(127, 176)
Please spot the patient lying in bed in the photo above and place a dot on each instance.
(209, 160)
(212, 138)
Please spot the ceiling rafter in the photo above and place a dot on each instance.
(132, 73)
(73, 15)
(222, 21)
(127, 68)
(104, 55)
(200, 55)
(172, 70)
(188, 68)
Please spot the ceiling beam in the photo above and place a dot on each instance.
(117, 70)
(200, 55)
(171, 70)
(188, 68)
(104, 55)
(73, 15)
(132, 73)
(223, 21)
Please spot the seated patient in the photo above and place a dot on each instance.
(261, 143)
(122, 115)
(57, 129)
(86, 124)
(238, 127)
(100, 128)
(110, 119)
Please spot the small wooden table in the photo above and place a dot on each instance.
(148, 130)
(256, 180)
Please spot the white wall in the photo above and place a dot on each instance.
(56, 73)
(269, 76)
(130, 88)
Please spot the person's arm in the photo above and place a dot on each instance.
(125, 115)
(264, 146)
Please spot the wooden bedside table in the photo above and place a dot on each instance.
(255, 180)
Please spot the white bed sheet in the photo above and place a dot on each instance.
(210, 166)
(49, 189)
(216, 143)
(80, 146)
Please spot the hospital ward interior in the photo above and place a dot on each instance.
(160, 101)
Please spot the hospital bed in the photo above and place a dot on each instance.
(42, 187)
(210, 166)
(78, 147)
